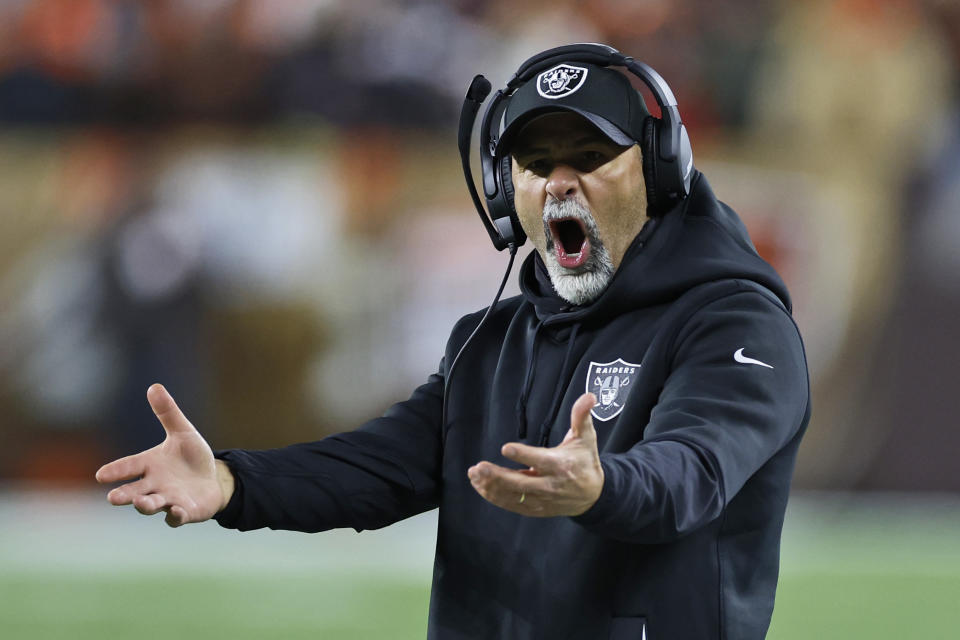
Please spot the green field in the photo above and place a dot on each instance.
(163, 606)
(71, 567)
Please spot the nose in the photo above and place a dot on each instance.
(563, 182)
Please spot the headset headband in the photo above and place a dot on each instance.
(604, 56)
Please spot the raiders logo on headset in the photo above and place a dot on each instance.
(560, 81)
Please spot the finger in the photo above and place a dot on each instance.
(149, 504)
(499, 484)
(126, 468)
(124, 494)
(176, 516)
(581, 424)
(509, 489)
(181, 508)
(118, 497)
(538, 458)
(167, 411)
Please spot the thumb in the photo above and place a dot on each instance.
(581, 424)
(167, 411)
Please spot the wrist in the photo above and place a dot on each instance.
(226, 483)
(592, 497)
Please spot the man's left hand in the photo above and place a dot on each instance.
(565, 480)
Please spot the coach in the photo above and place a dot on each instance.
(611, 451)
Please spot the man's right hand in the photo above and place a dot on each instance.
(179, 476)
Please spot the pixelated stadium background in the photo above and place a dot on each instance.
(260, 205)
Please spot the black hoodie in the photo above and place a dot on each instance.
(704, 400)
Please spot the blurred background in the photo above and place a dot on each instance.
(260, 205)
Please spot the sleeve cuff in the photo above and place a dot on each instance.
(230, 514)
(604, 506)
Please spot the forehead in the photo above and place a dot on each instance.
(555, 130)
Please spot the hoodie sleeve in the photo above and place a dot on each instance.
(383, 472)
(737, 392)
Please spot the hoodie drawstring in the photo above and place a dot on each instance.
(527, 383)
(559, 389)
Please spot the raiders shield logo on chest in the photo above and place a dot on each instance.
(609, 382)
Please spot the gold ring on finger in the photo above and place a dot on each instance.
(523, 496)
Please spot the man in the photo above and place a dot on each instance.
(655, 516)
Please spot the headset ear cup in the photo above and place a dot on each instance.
(506, 186)
(503, 215)
(650, 153)
(506, 182)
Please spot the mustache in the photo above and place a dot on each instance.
(570, 208)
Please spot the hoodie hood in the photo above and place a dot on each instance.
(700, 241)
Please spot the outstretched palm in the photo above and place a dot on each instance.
(178, 476)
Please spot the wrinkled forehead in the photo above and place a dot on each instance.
(555, 131)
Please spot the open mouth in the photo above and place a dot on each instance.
(570, 242)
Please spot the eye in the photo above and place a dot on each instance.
(590, 160)
(539, 166)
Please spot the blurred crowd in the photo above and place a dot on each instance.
(396, 64)
(259, 204)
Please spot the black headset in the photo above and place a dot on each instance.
(667, 155)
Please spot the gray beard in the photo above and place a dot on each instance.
(585, 283)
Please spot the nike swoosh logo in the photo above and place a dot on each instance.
(739, 357)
